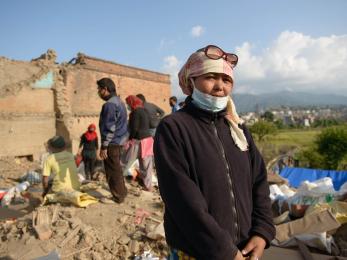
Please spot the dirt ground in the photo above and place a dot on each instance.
(104, 230)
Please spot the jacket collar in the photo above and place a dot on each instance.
(204, 115)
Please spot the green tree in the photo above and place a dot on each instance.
(342, 164)
(311, 158)
(332, 145)
(325, 122)
(262, 128)
(268, 116)
(279, 124)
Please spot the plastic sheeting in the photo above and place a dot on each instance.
(297, 175)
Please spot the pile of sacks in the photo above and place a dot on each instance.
(315, 214)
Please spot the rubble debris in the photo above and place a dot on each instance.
(49, 56)
(41, 223)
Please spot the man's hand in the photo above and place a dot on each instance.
(255, 248)
(239, 256)
(98, 155)
(103, 154)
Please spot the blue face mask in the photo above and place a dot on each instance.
(208, 102)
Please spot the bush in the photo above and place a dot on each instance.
(329, 150)
(332, 145)
(262, 128)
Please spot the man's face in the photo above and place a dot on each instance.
(172, 102)
(102, 92)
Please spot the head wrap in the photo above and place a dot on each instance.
(199, 64)
(91, 135)
(57, 142)
(134, 102)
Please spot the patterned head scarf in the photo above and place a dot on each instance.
(199, 64)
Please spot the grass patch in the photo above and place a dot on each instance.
(286, 140)
(299, 138)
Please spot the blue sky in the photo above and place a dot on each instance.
(282, 45)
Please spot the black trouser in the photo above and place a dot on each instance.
(89, 165)
(114, 173)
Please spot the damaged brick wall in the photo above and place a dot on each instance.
(80, 82)
(27, 117)
(41, 98)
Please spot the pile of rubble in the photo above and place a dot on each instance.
(104, 230)
(64, 230)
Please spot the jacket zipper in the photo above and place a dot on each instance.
(229, 173)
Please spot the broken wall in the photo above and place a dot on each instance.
(85, 104)
(40, 99)
(27, 117)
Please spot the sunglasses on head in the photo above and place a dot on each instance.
(215, 53)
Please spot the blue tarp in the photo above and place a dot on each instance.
(297, 175)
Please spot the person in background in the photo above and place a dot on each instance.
(88, 149)
(113, 131)
(140, 141)
(155, 113)
(173, 104)
(212, 178)
(61, 163)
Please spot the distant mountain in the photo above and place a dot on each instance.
(248, 102)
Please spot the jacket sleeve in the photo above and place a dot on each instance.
(262, 220)
(184, 201)
(160, 111)
(134, 124)
(108, 128)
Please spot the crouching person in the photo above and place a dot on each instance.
(65, 186)
(61, 163)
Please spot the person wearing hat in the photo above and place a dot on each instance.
(62, 165)
(113, 131)
(212, 178)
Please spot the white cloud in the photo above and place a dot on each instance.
(294, 61)
(197, 31)
(172, 66)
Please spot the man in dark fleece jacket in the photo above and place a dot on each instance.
(155, 113)
(113, 131)
(211, 176)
